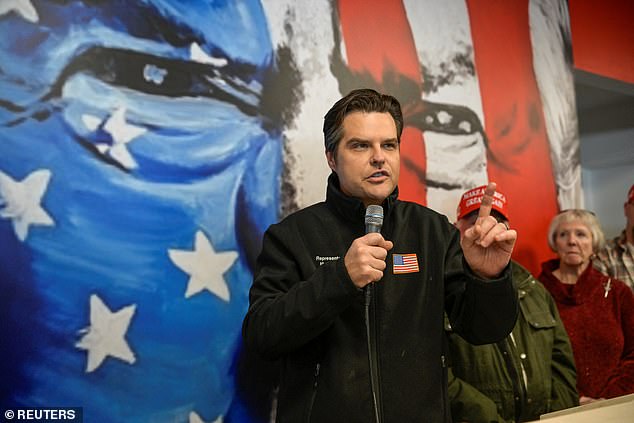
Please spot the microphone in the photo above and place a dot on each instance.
(373, 223)
(373, 218)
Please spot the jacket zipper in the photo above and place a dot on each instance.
(524, 378)
(377, 373)
(509, 352)
(522, 382)
(446, 409)
(372, 350)
(314, 393)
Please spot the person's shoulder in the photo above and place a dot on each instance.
(409, 207)
(297, 219)
(519, 269)
(527, 281)
(316, 208)
(613, 244)
(302, 215)
(520, 273)
(419, 217)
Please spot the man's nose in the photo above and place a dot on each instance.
(378, 156)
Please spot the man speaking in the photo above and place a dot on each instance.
(357, 318)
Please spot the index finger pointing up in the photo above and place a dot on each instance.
(487, 200)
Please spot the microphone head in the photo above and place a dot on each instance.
(373, 218)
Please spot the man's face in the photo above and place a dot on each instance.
(367, 160)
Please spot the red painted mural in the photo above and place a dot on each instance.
(511, 120)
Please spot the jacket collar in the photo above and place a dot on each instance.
(522, 278)
(351, 208)
(589, 283)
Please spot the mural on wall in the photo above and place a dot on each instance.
(139, 166)
(145, 147)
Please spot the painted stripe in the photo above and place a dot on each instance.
(378, 41)
(455, 162)
(519, 153)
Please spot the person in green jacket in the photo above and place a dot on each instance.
(530, 372)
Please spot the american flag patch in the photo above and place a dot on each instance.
(405, 263)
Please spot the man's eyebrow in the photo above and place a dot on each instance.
(356, 139)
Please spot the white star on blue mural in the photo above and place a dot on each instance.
(121, 132)
(21, 201)
(205, 267)
(106, 334)
(22, 7)
(195, 418)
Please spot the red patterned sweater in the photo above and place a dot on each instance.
(600, 328)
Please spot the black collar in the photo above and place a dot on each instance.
(351, 208)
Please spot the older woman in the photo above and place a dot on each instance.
(597, 310)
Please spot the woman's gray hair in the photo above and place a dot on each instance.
(587, 218)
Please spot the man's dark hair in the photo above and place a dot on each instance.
(361, 100)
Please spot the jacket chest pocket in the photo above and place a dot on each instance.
(536, 339)
(539, 319)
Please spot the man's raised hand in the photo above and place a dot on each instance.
(488, 245)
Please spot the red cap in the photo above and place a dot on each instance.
(630, 195)
(472, 199)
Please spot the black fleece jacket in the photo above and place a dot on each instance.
(305, 310)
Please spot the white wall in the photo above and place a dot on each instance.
(607, 171)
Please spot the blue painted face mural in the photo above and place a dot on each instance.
(138, 170)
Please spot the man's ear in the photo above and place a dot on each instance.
(330, 158)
